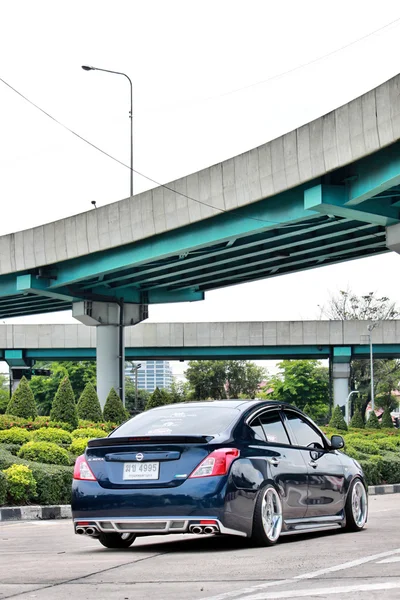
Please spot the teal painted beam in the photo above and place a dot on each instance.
(261, 216)
(342, 354)
(8, 285)
(375, 174)
(16, 358)
(333, 200)
(158, 296)
(29, 284)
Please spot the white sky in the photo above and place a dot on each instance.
(185, 59)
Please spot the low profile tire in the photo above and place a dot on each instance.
(356, 508)
(268, 518)
(116, 540)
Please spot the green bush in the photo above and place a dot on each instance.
(386, 420)
(387, 444)
(371, 472)
(21, 484)
(88, 406)
(114, 409)
(22, 403)
(390, 468)
(13, 448)
(78, 446)
(106, 426)
(361, 444)
(51, 434)
(15, 435)
(357, 420)
(64, 408)
(3, 488)
(44, 452)
(88, 432)
(373, 422)
(353, 453)
(156, 399)
(53, 481)
(337, 421)
(8, 421)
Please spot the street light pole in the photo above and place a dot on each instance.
(86, 68)
(371, 327)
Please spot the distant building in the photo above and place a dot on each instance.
(152, 374)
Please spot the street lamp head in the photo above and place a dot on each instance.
(86, 68)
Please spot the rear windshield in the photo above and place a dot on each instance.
(175, 420)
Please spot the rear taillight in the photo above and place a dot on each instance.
(216, 463)
(82, 470)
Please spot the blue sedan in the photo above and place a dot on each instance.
(248, 468)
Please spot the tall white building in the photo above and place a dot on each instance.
(152, 374)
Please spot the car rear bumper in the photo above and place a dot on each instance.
(148, 526)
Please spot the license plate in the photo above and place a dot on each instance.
(141, 470)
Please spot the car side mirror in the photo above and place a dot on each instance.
(337, 442)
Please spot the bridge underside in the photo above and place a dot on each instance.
(341, 216)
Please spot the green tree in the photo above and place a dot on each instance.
(220, 379)
(114, 410)
(346, 306)
(156, 399)
(88, 406)
(4, 393)
(337, 421)
(64, 407)
(303, 382)
(357, 420)
(22, 403)
(44, 388)
(130, 397)
(373, 421)
(180, 391)
(386, 421)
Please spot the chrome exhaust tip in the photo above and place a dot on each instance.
(210, 529)
(196, 529)
(90, 531)
(80, 530)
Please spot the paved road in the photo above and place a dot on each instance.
(46, 561)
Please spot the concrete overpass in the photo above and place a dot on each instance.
(326, 192)
(338, 341)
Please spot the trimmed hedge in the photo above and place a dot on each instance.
(373, 421)
(337, 421)
(114, 409)
(21, 484)
(22, 403)
(45, 452)
(51, 434)
(87, 432)
(53, 482)
(106, 426)
(9, 421)
(15, 435)
(88, 406)
(64, 407)
(3, 488)
(78, 446)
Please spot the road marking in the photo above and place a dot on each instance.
(389, 560)
(347, 565)
(309, 593)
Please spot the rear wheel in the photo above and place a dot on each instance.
(268, 518)
(116, 540)
(356, 508)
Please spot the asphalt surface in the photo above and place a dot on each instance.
(45, 560)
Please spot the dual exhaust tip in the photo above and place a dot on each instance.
(91, 531)
(199, 529)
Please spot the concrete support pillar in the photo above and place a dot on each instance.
(109, 318)
(107, 361)
(341, 377)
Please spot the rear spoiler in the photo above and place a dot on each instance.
(149, 439)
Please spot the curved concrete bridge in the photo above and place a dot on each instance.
(327, 192)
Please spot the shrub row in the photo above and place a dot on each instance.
(9, 421)
(53, 482)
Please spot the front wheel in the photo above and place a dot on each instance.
(268, 518)
(356, 508)
(116, 540)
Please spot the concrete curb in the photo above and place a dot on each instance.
(63, 511)
(30, 513)
(377, 490)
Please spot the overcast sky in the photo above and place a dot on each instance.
(207, 86)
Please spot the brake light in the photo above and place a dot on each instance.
(82, 470)
(216, 463)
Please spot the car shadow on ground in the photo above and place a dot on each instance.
(209, 543)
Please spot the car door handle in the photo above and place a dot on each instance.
(274, 462)
(313, 464)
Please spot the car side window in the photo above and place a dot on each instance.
(305, 435)
(273, 427)
(258, 430)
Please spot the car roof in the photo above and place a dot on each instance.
(242, 405)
